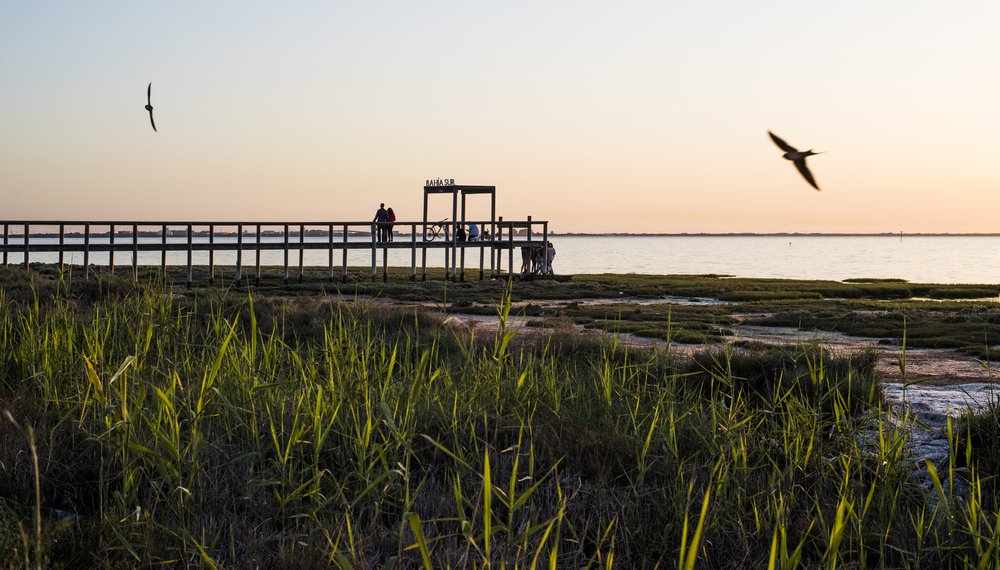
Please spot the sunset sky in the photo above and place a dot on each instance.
(596, 116)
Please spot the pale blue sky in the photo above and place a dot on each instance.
(626, 116)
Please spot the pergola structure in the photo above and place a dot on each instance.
(449, 187)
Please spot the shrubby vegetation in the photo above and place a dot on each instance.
(215, 428)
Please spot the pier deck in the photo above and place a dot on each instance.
(139, 242)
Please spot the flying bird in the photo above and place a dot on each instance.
(149, 106)
(796, 156)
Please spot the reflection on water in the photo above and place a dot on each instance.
(927, 259)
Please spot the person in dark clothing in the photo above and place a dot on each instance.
(381, 220)
(392, 222)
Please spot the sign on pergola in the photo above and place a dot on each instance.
(448, 186)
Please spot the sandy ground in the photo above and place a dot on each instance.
(931, 367)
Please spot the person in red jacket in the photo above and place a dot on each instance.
(392, 222)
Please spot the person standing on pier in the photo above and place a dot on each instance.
(381, 222)
(392, 222)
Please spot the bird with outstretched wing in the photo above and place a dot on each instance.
(149, 105)
(797, 157)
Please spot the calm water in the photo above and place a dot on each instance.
(931, 259)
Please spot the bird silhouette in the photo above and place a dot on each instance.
(149, 106)
(798, 157)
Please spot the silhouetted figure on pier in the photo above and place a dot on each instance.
(392, 223)
(381, 220)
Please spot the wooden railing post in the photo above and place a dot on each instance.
(510, 258)
(545, 248)
(111, 248)
(190, 254)
(211, 253)
(329, 238)
(257, 274)
(163, 252)
(497, 238)
(27, 247)
(413, 252)
(302, 248)
(286, 252)
(86, 251)
(374, 255)
(343, 267)
(62, 243)
(135, 252)
(239, 253)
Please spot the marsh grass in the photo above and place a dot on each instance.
(225, 428)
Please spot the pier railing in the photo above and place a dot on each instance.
(252, 246)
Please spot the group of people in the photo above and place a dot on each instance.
(532, 257)
(473, 234)
(385, 219)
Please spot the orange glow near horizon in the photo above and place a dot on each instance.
(638, 118)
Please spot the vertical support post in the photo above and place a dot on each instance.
(163, 251)
(256, 276)
(454, 237)
(111, 248)
(190, 252)
(239, 253)
(497, 238)
(211, 253)
(6, 241)
(482, 252)
(329, 237)
(374, 256)
(62, 243)
(545, 248)
(286, 252)
(302, 248)
(510, 258)
(135, 252)
(385, 264)
(423, 238)
(413, 252)
(343, 267)
(86, 251)
(531, 248)
(462, 264)
(27, 247)
(493, 229)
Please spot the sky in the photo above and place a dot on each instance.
(596, 116)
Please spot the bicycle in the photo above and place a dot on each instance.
(432, 231)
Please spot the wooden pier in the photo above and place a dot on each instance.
(28, 241)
